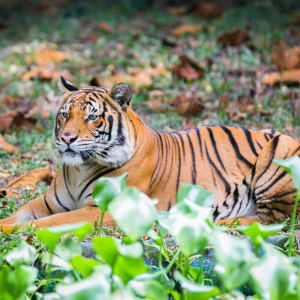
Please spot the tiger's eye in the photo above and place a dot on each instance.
(93, 117)
(65, 115)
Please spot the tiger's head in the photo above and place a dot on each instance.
(92, 125)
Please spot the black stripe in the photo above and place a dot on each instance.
(259, 145)
(48, 205)
(182, 143)
(93, 179)
(227, 185)
(56, 196)
(157, 163)
(274, 182)
(249, 139)
(199, 140)
(66, 179)
(179, 163)
(215, 147)
(273, 131)
(236, 147)
(194, 172)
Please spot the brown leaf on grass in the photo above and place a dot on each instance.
(295, 33)
(159, 70)
(153, 104)
(207, 10)
(46, 73)
(31, 179)
(48, 56)
(4, 145)
(156, 99)
(245, 104)
(187, 123)
(15, 119)
(177, 11)
(289, 76)
(186, 28)
(236, 37)
(187, 69)
(7, 100)
(286, 59)
(188, 105)
(105, 27)
(296, 18)
(139, 79)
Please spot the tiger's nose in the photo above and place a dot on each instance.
(69, 138)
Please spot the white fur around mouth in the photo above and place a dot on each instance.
(104, 137)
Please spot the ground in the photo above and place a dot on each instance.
(100, 42)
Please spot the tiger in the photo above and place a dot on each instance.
(97, 134)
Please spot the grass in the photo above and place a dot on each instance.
(136, 42)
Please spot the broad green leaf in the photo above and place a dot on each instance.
(93, 288)
(134, 212)
(196, 194)
(127, 268)
(23, 254)
(272, 276)
(107, 188)
(292, 166)
(106, 248)
(154, 236)
(51, 235)
(162, 223)
(67, 249)
(84, 266)
(14, 283)
(189, 226)
(57, 262)
(134, 250)
(234, 259)
(151, 289)
(196, 291)
(48, 296)
(256, 231)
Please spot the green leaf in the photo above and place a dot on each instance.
(67, 249)
(84, 266)
(154, 236)
(14, 284)
(57, 262)
(93, 288)
(127, 268)
(23, 254)
(133, 212)
(51, 235)
(150, 289)
(162, 223)
(234, 258)
(292, 166)
(196, 194)
(134, 250)
(196, 291)
(107, 188)
(106, 248)
(271, 277)
(257, 231)
(190, 226)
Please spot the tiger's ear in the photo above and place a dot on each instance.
(121, 94)
(66, 86)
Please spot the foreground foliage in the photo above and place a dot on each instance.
(118, 271)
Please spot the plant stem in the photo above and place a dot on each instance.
(170, 265)
(293, 224)
(101, 222)
(76, 275)
(160, 256)
(199, 276)
(186, 266)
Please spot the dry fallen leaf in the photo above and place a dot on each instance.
(295, 33)
(5, 173)
(296, 18)
(31, 179)
(286, 59)
(153, 104)
(177, 11)
(4, 145)
(48, 56)
(289, 76)
(15, 119)
(207, 10)
(46, 73)
(188, 105)
(186, 28)
(187, 69)
(236, 37)
(245, 104)
(139, 79)
(105, 27)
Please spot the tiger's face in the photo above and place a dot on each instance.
(91, 125)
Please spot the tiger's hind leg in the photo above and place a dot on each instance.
(267, 194)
